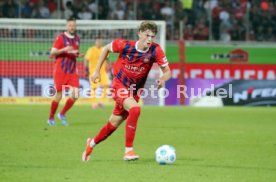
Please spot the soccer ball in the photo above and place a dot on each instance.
(165, 155)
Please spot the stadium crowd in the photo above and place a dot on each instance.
(225, 20)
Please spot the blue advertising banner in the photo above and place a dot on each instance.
(230, 92)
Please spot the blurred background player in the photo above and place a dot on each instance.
(65, 51)
(91, 59)
(130, 73)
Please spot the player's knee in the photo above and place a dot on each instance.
(74, 98)
(58, 96)
(75, 94)
(115, 123)
(135, 110)
(116, 120)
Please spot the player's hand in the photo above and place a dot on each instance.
(80, 55)
(68, 49)
(96, 77)
(160, 83)
(74, 52)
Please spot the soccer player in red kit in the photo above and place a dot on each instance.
(65, 50)
(130, 73)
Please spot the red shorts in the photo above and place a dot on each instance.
(119, 94)
(64, 79)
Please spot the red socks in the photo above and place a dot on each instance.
(106, 131)
(69, 103)
(131, 124)
(53, 109)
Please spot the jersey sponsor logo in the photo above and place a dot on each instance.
(145, 59)
(134, 68)
(129, 57)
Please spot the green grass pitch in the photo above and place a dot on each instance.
(231, 144)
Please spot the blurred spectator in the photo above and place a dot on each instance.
(118, 13)
(27, 9)
(210, 4)
(103, 9)
(146, 10)
(40, 10)
(259, 36)
(1, 13)
(179, 13)
(64, 2)
(85, 14)
(238, 31)
(52, 6)
(10, 9)
(225, 20)
(268, 36)
(129, 14)
(113, 5)
(188, 33)
(167, 9)
(201, 31)
(68, 10)
(93, 7)
(167, 13)
(224, 29)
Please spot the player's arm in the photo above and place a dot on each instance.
(96, 75)
(163, 63)
(86, 59)
(58, 48)
(86, 67)
(108, 64)
(54, 51)
(166, 76)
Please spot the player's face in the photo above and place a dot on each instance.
(71, 27)
(98, 42)
(146, 38)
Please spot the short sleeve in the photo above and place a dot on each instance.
(58, 44)
(160, 57)
(118, 45)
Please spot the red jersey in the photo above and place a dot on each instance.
(133, 65)
(66, 62)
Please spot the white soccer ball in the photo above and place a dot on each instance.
(165, 155)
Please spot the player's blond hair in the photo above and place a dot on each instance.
(148, 25)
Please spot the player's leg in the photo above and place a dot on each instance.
(131, 105)
(54, 104)
(53, 108)
(72, 80)
(113, 123)
(94, 87)
(71, 100)
(105, 85)
(58, 80)
(68, 104)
